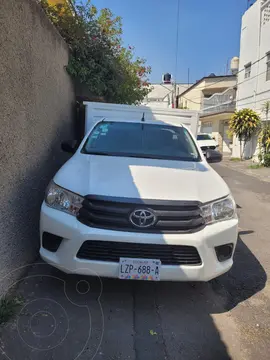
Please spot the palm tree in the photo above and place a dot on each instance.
(266, 109)
(264, 138)
(244, 124)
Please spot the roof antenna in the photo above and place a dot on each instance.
(143, 119)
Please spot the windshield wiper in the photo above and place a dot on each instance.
(103, 153)
(118, 154)
(143, 156)
(100, 153)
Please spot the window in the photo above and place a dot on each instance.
(247, 70)
(268, 66)
(141, 140)
(265, 13)
(204, 137)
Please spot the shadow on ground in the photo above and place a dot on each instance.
(246, 278)
(73, 317)
(63, 318)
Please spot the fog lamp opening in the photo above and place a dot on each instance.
(224, 252)
(51, 242)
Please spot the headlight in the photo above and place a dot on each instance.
(220, 210)
(63, 200)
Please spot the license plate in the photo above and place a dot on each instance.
(139, 269)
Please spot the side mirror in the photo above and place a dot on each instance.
(213, 156)
(69, 146)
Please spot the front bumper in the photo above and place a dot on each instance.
(75, 233)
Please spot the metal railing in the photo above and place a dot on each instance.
(219, 102)
(263, 2)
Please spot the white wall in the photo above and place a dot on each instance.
(263, 86)
(249, 45)
(255, 43)
(253, 92)
(162, 94)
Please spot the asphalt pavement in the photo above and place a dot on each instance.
(72, 317)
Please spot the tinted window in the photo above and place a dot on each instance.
(204, 137)
(141, 140)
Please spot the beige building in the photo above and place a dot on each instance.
(214, 96)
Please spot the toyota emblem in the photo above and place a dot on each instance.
(142, 218)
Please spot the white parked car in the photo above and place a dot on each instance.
(206, 142)
(138, 200)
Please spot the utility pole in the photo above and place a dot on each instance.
(176, 53)
(174, 95)
(227, 66)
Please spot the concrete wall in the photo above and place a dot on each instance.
(36, 114)
(217, 126)
(192, 99)
(218, 84)
(253, 92)
(162, 94)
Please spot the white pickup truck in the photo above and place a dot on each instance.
(206, 142)
(138, 200)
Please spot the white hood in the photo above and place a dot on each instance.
(141, 178)
(206, 143)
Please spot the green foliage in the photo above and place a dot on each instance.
(97, 56)
(244, 124)
(8, 306)
(235, 159)
(266, 160)
(229, 134)
(264, 139)
(266, 109)
(255, 166)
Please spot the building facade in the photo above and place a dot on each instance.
(214, 96)
(162, 95)
(195, 96)
(253, 85)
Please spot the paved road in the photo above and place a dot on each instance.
(228, 318)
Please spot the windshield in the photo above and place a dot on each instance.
(204, 137)
(141, 140)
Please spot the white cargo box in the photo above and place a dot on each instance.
(96, 111)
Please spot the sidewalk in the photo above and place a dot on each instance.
(262, 174)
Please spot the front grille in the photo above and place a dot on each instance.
(112, 251)
(208, 147)
(114, 214)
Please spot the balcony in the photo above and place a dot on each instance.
(265, 9)
(263, 2)
(220, 102)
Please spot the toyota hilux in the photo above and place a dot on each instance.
(139, 200)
